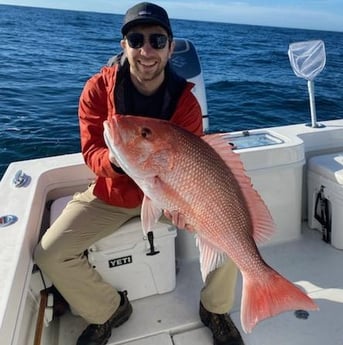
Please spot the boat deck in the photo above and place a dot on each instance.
(172, 318)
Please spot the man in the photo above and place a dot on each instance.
(139, 82)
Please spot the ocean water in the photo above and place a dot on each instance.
(46, 56)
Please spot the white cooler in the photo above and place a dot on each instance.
(325, 182)
(122, 260)
(275, 166)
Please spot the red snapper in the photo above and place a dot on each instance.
(204, 180)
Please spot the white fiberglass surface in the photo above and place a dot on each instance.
(308, 262)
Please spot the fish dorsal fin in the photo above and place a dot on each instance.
(263, 224)
(210, 258)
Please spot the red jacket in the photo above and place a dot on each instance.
(97, 105)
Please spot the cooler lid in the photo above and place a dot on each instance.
(131, 233)
(329, 166)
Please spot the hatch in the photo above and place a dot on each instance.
(248, 140)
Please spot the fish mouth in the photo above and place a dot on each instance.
(111, 133)
(118, 131)
(112, 130)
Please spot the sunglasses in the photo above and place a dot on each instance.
(136, 40)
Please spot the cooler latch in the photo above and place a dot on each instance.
(322, 214)
(151, 243)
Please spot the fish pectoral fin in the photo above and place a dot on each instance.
(150, 214)
(210, 257)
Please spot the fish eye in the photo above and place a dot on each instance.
(145, 132)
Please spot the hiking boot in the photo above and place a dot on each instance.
(95, 334)
(223, 329)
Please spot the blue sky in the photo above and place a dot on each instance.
(308, 14)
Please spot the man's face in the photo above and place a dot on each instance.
(148, 50)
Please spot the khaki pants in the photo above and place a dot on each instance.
(85, 220)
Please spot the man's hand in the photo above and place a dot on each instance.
(178, 219)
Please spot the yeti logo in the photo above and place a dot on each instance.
(125, 260)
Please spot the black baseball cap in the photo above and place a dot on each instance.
(146, 13)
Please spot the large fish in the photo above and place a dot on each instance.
(204, 180)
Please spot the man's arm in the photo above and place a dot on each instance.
(92, 113)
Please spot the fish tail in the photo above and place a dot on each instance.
(269, 296)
